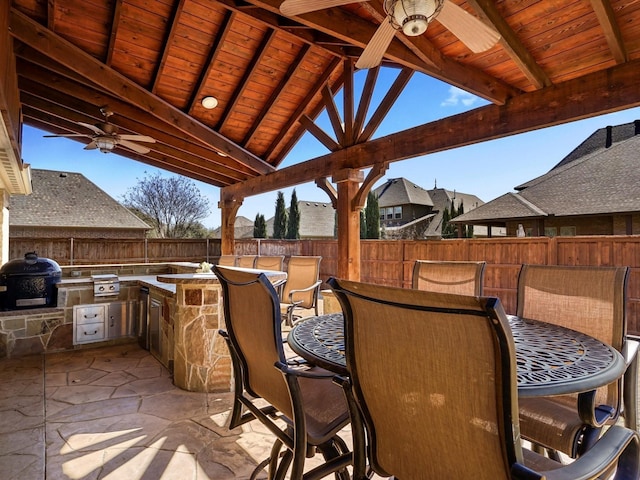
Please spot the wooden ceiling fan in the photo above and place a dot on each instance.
(105, 136)
(412, 17)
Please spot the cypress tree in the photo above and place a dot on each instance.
(372, 214)
(260, 227)
(293, 225)
(363, 224)
(280, 218)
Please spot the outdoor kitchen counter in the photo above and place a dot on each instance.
(200, 355)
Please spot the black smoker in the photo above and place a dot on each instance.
(29, 282)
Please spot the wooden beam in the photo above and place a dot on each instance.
(375, 174)
(113, 34)
(348, 101)
(511, 43)
(385, 105)
(334, 116)
(365, 100)
(175, 21)
(320, 134)
(607, 18)
(325, 185)
(67, 54)
(611, 90)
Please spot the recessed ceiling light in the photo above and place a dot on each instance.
(209, 102)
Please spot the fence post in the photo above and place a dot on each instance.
(71, 251)
(207, 260)
(146, 256)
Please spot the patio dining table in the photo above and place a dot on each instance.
(551, 360)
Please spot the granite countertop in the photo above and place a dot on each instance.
(142, 280)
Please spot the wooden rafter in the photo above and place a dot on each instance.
(259, 54)
(113, 34)
(387, 102)
(365, 101)
(284, 82)
(51, 10)
(334, 116)
(612, 32)
(175, 22)
(211, 57)
(348, 97)
(511, 43)
(322, 136)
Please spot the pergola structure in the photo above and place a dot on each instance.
(151, 62)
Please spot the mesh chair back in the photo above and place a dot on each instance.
(588, 299)
(246, 261)
(270, 262)
(461, 278)
(254, 331)
(227, 260)
(434, 375)
(302, 272)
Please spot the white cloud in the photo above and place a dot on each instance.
(458, 96)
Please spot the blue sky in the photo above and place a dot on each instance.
(488, 169)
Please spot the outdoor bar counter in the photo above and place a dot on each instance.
(201, 361)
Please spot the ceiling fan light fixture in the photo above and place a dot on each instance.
(105, 144)
(209, 102)
(412, 16)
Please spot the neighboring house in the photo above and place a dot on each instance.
(410, 211)
(68, 205)
(243, 228)
(595, 190)
(317, 220)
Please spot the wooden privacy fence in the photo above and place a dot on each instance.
(387, 262)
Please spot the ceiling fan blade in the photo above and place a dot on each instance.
(291, 8)
(67, 135)
(377, 46)
(137, 138)
(471, 31)
(95, 129)
(134, 146)
(91, 146)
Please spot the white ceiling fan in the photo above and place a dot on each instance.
(412, 17)
(105, 136)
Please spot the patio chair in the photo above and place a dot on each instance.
(270, 262)
(227, 260)
(437, 397)
(302, 286)
(246, 261)
(590, 300)
(311, 408)
(462, 278)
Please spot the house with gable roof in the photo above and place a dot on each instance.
(595, 190)
(68, 205)
(408, 210)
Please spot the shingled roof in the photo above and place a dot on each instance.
(62, 199)
(604, 181)
(400, 191)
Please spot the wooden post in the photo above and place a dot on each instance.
(348, 182)
(228, 210)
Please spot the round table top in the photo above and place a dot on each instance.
(551, 360)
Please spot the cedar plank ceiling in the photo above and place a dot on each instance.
(151, 62)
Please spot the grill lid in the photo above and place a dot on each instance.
(30, 265)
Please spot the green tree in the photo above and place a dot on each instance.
(280, 218)
(449, 230)
(372, 214)
(363, 224)
(172, 206)
(260, 227)
(293, 224)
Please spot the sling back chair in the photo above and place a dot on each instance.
(461, 278)
(270, 262)
(246, 261)
(302, 286)
(436, 393)
(590, 300)
(313, 408)
(227, 260)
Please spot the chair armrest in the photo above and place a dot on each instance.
(618, 444)
(630, 385)
(304, 372)
(315, 285)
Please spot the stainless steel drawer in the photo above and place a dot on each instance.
(89, 332)
(89, 314)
